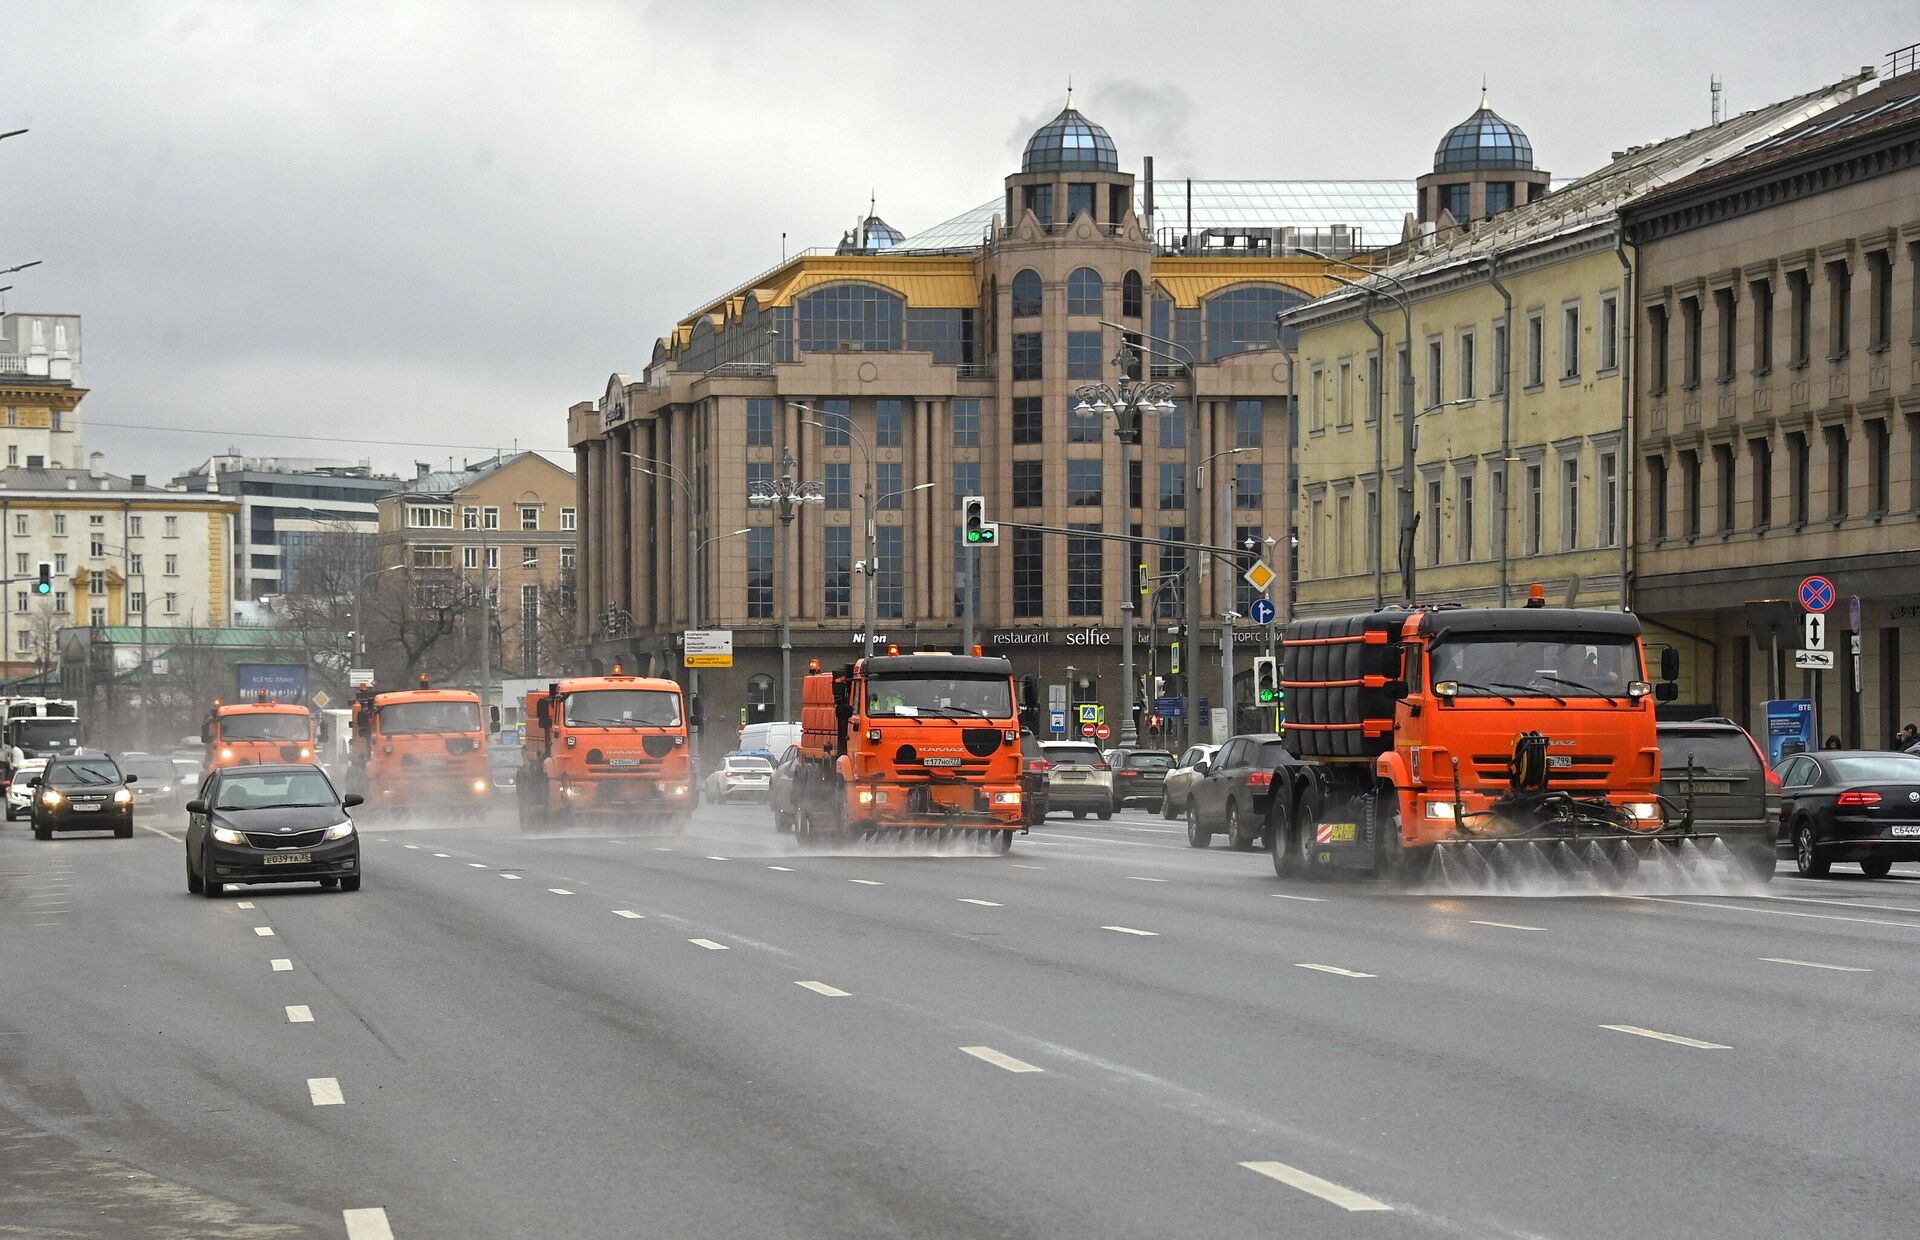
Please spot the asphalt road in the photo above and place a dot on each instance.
(1103, 1034)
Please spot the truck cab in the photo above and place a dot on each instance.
(419, 748)
(606, 745)
(37, 728)
(243, 733)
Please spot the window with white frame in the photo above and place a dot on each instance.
(170, 526)
(1464, 382)
(136, 564)
(490, 518)
(1434, 394)
(172, 566)
(1570, 342)
(60, 563)
(1570, 503)
(1535, 509)
(137, 602)
(97, 617)
(59, 524)
(493, 557)
(433, 557)
(20, 564)
(469, 517)
(569, 519)
(20, 524)
(1433, 520)
(469, 557)
(1463, 518)
(172, 604)
(1343, 410)
(529, 557)
(135, 527)
(1536, 349)
(1316, 399)
(429, 517)
(566, 558)
(529, 516)
(1608, 334)
(1609, 522)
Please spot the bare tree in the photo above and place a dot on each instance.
(418, 620)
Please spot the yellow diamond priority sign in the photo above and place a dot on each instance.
(1260, 576)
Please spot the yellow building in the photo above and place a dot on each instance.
(1519, 389)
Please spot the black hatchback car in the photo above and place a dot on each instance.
(1859, 805)
(79, 793)
(271, 823)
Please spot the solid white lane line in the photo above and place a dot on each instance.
(478, 865)
(283, 966)
(1145, 934)
(1507, 925)
(1281, 895)
(1675, 1038)
(988, 1054)
(299, 1014)
(629, 914)
(821, 988)
(709, 944)
(265, 932)
(509, 876)
(442, 856)
(784, 869)
(981, 903)
(1154, 830)
(661, 848)
(244, 904)
(1814, 964)
(1333, 969)
(560, 891)
(1777, 912)
(325, 1091)
(867, 882)
(1889, 908)
(1135, 878)
(1325, 1190)
(368, 1224)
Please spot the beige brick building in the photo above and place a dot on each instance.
(1778, 394)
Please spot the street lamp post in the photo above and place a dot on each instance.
(1227, 614)
(785, 496)
(858, 439)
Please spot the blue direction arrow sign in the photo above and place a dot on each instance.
(1263, 611)
(1816, 594)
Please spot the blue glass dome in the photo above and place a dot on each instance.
(874, 234)
(1484, 142)
(1070, 143)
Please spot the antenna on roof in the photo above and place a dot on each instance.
(1713, 87)
(1483, 90)
(1069, 90)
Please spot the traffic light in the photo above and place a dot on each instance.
(979, 531)
(1266, 683)
(45, 584)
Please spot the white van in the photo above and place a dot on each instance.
(775, 738)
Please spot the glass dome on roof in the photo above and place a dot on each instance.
(1484, 141)
(873, 234)
(1070, 143)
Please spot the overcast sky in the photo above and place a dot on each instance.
(444, 222)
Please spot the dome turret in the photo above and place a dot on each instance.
(1484, 142)
(1070, 143)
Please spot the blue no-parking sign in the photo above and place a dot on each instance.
(1816, 594)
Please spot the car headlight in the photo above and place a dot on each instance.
(227, 835)
(479, 785)
(1440, 809)
(340, 830)
(1644, 810)
(50, 797)
(123, 796)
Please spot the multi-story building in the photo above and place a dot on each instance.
(1507, 340)
(923, 369)
(290, 509)
(1778, 433)
(40, 391)
(505, 528)
(119, 552)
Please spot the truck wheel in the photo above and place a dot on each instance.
(1306, 818)
(1237, 839)
(1005, 844)
(1197, 835)
(1280, 842)
(782, 820)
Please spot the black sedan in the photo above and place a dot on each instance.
(82, 794)
(271, 824)
(1857, 805)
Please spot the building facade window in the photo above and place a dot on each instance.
(1083, 484)
(1028, 488)
(1656, 500)
(838, 573)
(419, 517)
(759, 422)
(1434, 376)
(760, 573)
(1879, 299)
(1083, 425)
(1879, 467)
(1132, 300)
(60, 524)
(1027, 294)
(1083, 355)
(1536, 349)
(172, 563)
(1029, 575)
(1760, 456)
(469, 557)
(1085, 573)
(1762, 291)
(1570, 503)
(529, 557)
(1432, 520)
(1837, 473)
(889, 589)
(569, 519)
(1085, 292)
(1570, 342)
(1839, 309)
(1463, 518)
(1028, 420)
(1027, 351)
(1723, 485)
(1726, 326)
(965, 422)
(888, 483)
(1465, 379)
(1609, 522)
(838, 476)
(529, 516)
(1690, 493)
(432, 557)
(1690, 342)
(888, 430)
(1608, 336)
(1534, 516)
(1657, 349)
(1173, 486)
(966, 480)
(1800, 476)
(1371, 397)
(1171, 431)
(135, 526)
(566, 558)
(1249, 486)
(1343, 384)
(1800, 311)
(489, 518)
(1242, 319)
(1249, 417)
(469, 517)
(851, 318)
(1500, 364)
(836, 416)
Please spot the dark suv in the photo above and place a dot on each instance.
(1233, 793)
(1730, 793)
(1035, 776)
(82, 794)
(1139, 776)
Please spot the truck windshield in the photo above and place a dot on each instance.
(623, 708)
(288, 727)
(404, 717)
(44, 735)
(987, 697)
(1544, 665)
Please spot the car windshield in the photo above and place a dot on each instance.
(623, 708)
(291, 789)
(1536, 665)
(1074, 755)
(1720, 751)
(1150, 761)
(1868, 769)
(984, 697)
(280, 726)
(405, 717)
(150, 770)
(100, 771)
(45, 733)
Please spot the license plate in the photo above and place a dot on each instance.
(1906, 831)
(1341, 832)
(86, 809)
(1559, 761)
(624, 762)
(1711, 788)
(287, 859)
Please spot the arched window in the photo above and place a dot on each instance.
(851, 317)
(1242, 318)
(1026, 294)
(1130, 296)
(1085, 292)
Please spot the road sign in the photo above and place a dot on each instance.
(1103, 732)
(1853, 612)
(1263, 611)
(357, 676)
(708, 648)
(1057, 722)
(1089, 713)
(322, 699)
(1170, 707)
(1814, 635)
(1813, 660)
(1173, 660)
(1260, 576)
(1057, 697)
(1086, 730)
(1816, 594)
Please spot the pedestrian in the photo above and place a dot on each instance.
(1832, 742)
(1909, 736)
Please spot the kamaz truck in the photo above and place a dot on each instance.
(420, 750)
(606, 747)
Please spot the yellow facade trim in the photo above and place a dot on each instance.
(926, 283)
(1190, 281)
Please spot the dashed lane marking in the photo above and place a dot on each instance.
(299, 1014)
(629, 914)
(709, 944)
(1145, 934)
(1021, 866)
(1135, 878)
(661, 848)
(981, 903)
(559, 891)
(367, 1224)
(1507, 925)
(265, 932)
(1674, 1038)
(1889, 908)
(867, 882)
(283, 965)
(713, 858)
(1814, 964)
(1325, 1190)
(244, 904)
(1336, 970)
(998, 1060)
(412, 846)
(821, 988)
(1281, 895)
(325, 1091)
(477, 865)
(509, 876)
(442, 856)
(1152, 830)
(784, 869)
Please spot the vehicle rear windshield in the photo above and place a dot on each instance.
(150, 770)
(1150, 761)
(749, 764)
(297, 789)
(623, 708)
(45, 733)
(72, 772)
(952, 697)
(1270, 753)
(405, 717)
(1719, 752)
(1073, 755)
(1537, 665)
(1895, 768)
(287, 727)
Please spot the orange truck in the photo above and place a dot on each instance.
(247, 733)
(915, 743)
(419, 750)
(1478, 743)
(606, 746)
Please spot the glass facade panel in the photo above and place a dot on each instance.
(1085, 292)
(887, 431)
(889, 591)
(1028, 487)
(966, 423)
(759, 423)
(1243, 593)
(839, 484)
(887, 484)
(1248, 418)
(1083, 484)
(948, 334)
(1173, 562)
(759, 474)
(966, 480)
(1173, 486)
(1458, 201)
(1079, 200)
(1082, 427)
(1029, 575)
(839, 572)
(1029, 420)
(857, 317)
(1083, 355)
(760, 573)
(1131, 295)
(1085, 573)
(1249, 485)
(837, 417)
(1172, 432)
(1242, 318)
(1026, 294)
(1026, 356)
